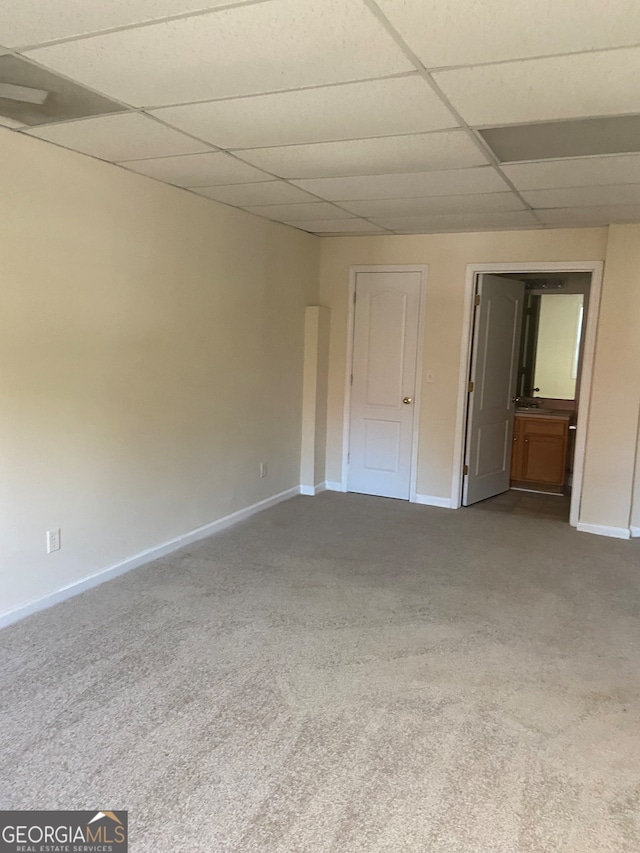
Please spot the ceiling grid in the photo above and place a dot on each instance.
(345, 116)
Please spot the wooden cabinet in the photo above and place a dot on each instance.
(539, 452)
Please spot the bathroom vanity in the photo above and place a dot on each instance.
(540, 443)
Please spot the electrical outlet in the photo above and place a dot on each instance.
(263, 469)
(53, 540)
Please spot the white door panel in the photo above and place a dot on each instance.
(387, 318)
(382, 446)
(385, 346)
(492, 447)
(494, 367)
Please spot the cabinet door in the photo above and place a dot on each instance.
(543, 458)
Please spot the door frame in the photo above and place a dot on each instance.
(596, 270)
(351, 317)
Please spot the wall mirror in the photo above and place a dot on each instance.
(551, 345)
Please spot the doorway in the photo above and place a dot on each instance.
(383, 381)
(501, 450)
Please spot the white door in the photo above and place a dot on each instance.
(494, 368)
(385, 351)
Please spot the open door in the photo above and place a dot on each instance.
(492, 388)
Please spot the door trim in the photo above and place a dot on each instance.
(351, 317)
(596, 270)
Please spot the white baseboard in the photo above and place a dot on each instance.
(635, 532)
(432, 500)
(143, 557)
(603, 530)
(427, 500)
(313, 490)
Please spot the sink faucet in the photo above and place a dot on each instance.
(527, 402)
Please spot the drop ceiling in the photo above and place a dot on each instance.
(347, 116)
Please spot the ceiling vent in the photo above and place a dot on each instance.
(555, 139)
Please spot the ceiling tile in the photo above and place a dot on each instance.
(459, 222)
(198, 170)
(127, 136)
(299, 212)
(496, 30)
(583, 171)
(481, 179)
(592, 84)
(338, 226)
(356, 110)
(30, 22)
(583, 196)
(584, 216)
(246, 195)
(384, 155)
(262, 47)
(477, 203)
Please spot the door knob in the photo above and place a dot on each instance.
(407, 401)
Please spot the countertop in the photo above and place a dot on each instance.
(556, 414)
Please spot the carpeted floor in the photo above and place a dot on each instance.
(533, 504)
(345, 674)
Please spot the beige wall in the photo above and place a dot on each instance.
(447, 256)
(613, 417)
(151, 347)
(635, 508)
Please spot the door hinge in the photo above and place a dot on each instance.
(470, 386)
(354, 297)
(465, 470)
(352, 379)
(477, 301)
